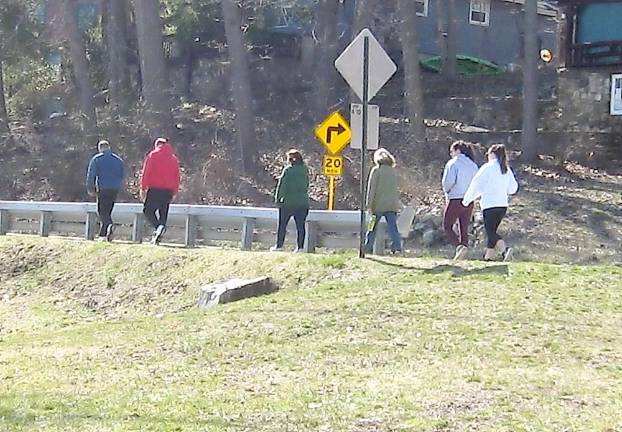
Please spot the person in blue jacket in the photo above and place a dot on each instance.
(104, 179)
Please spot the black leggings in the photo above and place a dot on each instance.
(300, 216)
(492, 218)
(157, 200)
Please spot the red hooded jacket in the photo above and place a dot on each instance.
(161, 170)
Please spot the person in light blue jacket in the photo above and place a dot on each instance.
(457, 176)
(104, 179)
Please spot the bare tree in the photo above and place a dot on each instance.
(364, 17)
(446, 27)
(240, 83)
(449, 64)
(412, 71)
(156, 90)
(5, 130)
(117, 44)
(80, 64)
(529, 135)
(325, 76)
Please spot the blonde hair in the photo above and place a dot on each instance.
(383, 157)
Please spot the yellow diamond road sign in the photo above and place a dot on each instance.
(334, 133)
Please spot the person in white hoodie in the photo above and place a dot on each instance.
(457, 176)
(493, 183)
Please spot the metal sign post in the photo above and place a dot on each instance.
(366, 67)
(363, 227)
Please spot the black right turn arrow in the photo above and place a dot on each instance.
(339, 129)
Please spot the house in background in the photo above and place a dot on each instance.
(592, 32)
(488, 29)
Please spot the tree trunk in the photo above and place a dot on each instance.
(77, 53)
(240, 83)
(450, 68)
(325, 75)
(156, 90)
(188, 72)
(529, 135)
(412, 72)
(364, 17)
(118, 69)
(441, 29)
(5, 130)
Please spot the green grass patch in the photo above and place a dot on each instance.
(106, 338)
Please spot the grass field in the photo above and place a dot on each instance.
(98, 337)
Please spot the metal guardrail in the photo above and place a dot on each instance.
(190, 225)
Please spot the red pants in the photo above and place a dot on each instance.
(455, 211)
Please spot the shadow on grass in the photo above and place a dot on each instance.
(456, 271)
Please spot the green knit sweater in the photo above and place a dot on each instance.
(292, 190)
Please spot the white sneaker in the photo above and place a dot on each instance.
(461, 252)
(157, 235)
(507, 255)
(299, 250)
(110, 233)
(276, 249)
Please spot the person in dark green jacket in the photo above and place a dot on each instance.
(292, 198)
(383, 199)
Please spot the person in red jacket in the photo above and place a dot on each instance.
(159, 184)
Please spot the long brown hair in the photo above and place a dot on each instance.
(464, 148)
(502, 157)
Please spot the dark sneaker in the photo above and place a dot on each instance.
(109, 233)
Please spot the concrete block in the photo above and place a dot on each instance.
(234, 290)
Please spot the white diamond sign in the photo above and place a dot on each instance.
(350, 65)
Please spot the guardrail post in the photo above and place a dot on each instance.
(311, 236)
(91, 225)
(4, 222)
(248, 232)
(137, 228)
(190, 235)
(45, 220)
(381, 231)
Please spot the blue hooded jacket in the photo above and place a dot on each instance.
(106, 171)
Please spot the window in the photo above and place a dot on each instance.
(479, 12)
(616, 94)
(421, 7)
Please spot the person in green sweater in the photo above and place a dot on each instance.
(292, 198)
(383, 199)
